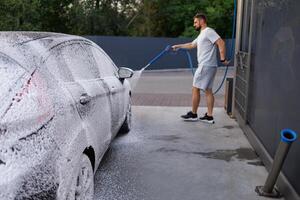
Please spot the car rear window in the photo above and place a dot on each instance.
(10, 73)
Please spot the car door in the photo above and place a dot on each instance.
(88, 91)
(116, 88)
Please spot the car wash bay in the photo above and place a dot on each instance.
(166, 158)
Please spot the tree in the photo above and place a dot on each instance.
(19, 15)
(54, 15)
(219, 13)
(156, 18)
(174, 18)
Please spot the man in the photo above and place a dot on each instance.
(204, 76)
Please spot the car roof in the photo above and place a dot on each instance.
(28, 48)
(23, 37)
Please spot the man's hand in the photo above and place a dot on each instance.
(175, 47)
(225, 62)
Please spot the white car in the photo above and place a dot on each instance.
(63, 100)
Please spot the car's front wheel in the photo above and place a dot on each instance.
(83, 184)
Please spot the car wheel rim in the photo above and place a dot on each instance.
(85, 181)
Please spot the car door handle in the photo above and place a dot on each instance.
(84, 99)
(113, 90)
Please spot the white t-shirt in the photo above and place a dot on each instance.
(206, 48)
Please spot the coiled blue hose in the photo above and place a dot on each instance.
(231, 48)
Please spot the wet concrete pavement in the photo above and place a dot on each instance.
(164, 158)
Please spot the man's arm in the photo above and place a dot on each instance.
(189, 45)
(222, 48)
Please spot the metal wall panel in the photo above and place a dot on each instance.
(243, 58)
(274, 92)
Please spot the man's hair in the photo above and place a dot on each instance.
(200, 16)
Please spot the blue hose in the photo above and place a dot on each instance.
(167, 49)
(231, 48)
(157, 57)
(190, 61)
(189, 57)
(288, 135)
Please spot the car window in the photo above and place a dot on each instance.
(76, 60)
(104, 63)
(80, 62)
(57, 66)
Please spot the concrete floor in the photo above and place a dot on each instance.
(164, 158)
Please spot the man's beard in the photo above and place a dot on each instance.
(198, 28)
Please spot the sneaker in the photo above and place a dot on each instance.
(207, 119)
(190, 116)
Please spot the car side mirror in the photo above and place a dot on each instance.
(124, 72)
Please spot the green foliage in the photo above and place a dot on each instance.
(19, 15)
(219, 14)
(174, 18)
(157, 18)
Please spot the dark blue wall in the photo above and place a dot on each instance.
(136, 52)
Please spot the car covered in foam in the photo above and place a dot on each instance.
(63, 100)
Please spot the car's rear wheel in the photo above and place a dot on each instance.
(83, 185)
(126, 126)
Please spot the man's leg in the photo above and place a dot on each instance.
(192, 115)
(195, 99)
(210, 99)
